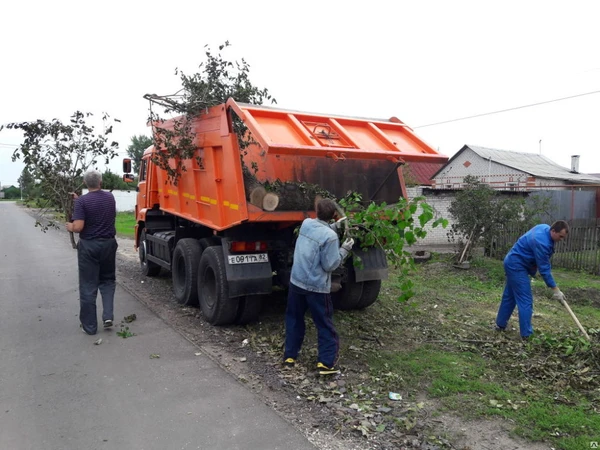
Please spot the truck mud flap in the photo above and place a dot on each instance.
(374, 264)
(249, 278)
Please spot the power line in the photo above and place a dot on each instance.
(507, 109)
(120, 152)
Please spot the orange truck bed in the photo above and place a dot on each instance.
(337, 153)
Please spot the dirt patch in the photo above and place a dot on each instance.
(583, 296)
(484, 435)
(320, 408)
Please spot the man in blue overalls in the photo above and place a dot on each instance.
(531, 253)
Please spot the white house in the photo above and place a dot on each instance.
(509, 170)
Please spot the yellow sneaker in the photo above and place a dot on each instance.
(324, 370)
(289, 362)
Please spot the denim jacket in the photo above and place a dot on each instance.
(316, 255)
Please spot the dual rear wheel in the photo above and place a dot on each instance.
(199, 278)
(355, 294)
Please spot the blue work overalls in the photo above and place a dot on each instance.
(531, 253)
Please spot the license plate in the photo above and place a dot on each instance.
(248, 259)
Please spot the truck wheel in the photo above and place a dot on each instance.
(209, 242)
(249, 309)
(213, 291)
(370, 292)
(348, 297)
(149, 268)
(184, 269)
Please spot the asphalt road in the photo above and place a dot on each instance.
(58, 390)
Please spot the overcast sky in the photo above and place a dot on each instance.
(421, 61)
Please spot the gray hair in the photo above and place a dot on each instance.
(92, 179)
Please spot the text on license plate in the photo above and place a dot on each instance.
(247, 259)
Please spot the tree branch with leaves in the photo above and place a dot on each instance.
(391, 228)
(217, 80)
(57, 155)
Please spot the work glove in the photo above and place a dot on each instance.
(348, 243)
(558, 295)
(346, 248)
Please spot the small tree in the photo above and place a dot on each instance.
(481, 214)
(136, 150)
(58, 154)
(27, 183)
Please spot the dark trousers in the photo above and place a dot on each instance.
(96, 260)
(321, 308)
(517, 292)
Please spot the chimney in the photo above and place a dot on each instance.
(575, 163)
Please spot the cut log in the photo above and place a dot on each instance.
(257, 195)
(281, 196)
(270, 201)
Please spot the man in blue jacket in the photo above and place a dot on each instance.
(531, 253)
(316, 256)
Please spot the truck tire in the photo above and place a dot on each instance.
(370, 292)
(184, 270)
(209, 242)
(348, 297)
(149, 268)
(249, 309)
(213, 291)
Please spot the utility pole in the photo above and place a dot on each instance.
(540, 146)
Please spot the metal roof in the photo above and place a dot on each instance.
(533, 164)
(423, 171)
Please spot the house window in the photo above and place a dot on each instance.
(512, 185)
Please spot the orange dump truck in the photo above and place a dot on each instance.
(226, 253)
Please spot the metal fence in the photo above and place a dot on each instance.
(580, 251)
(569, 204)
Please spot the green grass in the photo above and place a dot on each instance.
(549, 388)
(125, 224)
(468, 384)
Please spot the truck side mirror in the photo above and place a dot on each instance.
(126, 165)
(128, 178)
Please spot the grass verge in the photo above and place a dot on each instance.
(125, 224)
(549, 387)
